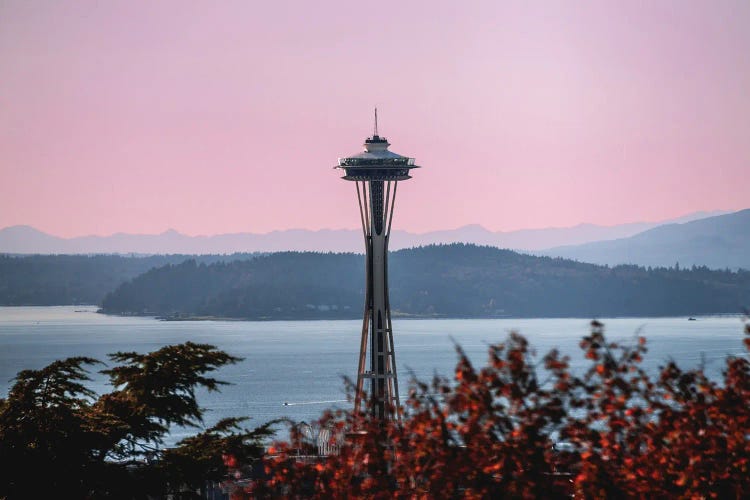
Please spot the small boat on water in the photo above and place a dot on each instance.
(692, 319)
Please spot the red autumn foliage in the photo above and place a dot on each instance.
(518, 429)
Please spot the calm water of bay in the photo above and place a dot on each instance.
(302, 363)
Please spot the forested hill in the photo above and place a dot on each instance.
(444, 281)
(44, 280)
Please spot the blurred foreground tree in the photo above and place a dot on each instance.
(519, 428)
(59, 440)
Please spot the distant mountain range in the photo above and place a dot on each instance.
(717, 242)
(27, 240)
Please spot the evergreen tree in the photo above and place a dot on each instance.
(58, 438)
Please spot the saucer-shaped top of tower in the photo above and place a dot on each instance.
(376, 163)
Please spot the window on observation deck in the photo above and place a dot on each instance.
(364, 162)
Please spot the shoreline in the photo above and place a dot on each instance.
(93, 308)
(198, 318)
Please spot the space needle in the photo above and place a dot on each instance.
(376, 173)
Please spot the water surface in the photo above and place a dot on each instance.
(302, 363)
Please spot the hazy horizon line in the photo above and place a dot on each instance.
(710, 212)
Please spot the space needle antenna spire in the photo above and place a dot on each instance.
(375, 132)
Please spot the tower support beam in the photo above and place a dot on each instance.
(377, 326)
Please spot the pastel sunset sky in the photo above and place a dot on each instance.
(215, 117)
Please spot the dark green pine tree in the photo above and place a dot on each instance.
(58, 439)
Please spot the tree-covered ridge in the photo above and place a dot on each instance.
(284, 284)
(455, 280)
(44, 280)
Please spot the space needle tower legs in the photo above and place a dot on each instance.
(377, 212)
(376, 173)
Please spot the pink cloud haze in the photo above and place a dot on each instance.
(213, 117)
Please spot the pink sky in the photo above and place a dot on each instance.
(226, 116)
